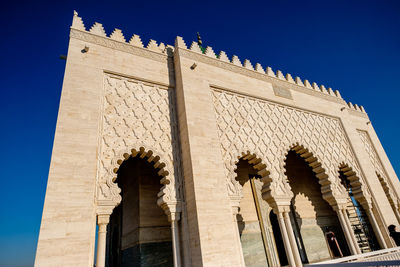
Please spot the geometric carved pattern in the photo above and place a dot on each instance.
(270, 130)
(373, 156)
(377, 165)
(138, 118)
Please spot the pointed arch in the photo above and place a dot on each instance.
(254, 161)
(331, 192)
(387, 189)
(109, 191)
(390, 195)
(360, 192)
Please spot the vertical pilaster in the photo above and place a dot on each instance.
(69, 213)
(102, 222)
(207, 199)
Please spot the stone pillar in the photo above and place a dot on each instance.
(206, 184)
(292, 239)
(102, 221)
(396, 212)
(176, 249)
(375, 226)
(286, 242)
(346, 230)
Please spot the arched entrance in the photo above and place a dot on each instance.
(255, 229)
(312, 218)
(358, 217)
(139, 233)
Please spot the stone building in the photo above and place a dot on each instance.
(178, 156)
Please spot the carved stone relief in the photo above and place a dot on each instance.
(373, 156)
(270, 130)
(377, 164)
(138, 119)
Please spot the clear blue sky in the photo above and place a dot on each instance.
(348, 45)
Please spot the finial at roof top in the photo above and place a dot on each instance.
(199, 42)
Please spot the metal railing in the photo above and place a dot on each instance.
(383, 257)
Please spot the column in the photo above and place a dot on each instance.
(375, 226)
(235, 211)
(345, 228)
(174, 218)
(286, 242)
(102, 221)
(351, 231)
(396, 212)
(292, 239)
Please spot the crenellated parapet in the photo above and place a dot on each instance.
(311, 87)
(97, 29)
(220, 58)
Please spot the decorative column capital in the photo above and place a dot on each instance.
(340, 205)
(103, 214)
(172, 210)
(281, 209)
(174, 216)
(103, 219)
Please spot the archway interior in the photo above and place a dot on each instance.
(255, 229)
(362, 228)
(248, 218)
(313, 219)
(139, 233)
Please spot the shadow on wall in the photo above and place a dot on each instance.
(241, 223)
